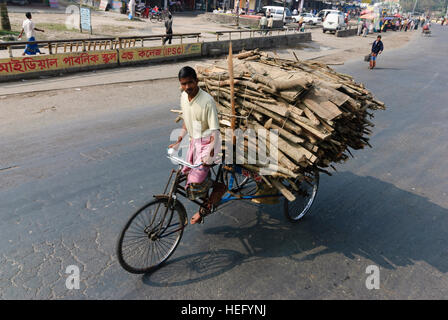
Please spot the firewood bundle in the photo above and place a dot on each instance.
(318, 112)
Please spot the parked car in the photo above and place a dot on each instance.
(323, 13)
(277, 13)
(307, 18)
(334, 22)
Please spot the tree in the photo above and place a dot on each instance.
(423, 5)
(4, 17)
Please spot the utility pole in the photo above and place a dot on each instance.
(284, 11)
(415, 4)
(446, 4)
(238, 13)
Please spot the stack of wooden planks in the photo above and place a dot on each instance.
(318, 112)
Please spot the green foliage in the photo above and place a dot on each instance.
(7, 32)
(423, 5)
(4, 17)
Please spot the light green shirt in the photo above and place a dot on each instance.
(200, 114)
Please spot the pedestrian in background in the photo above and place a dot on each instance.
(131, 9)
(359, 27)
(29, 28)
(263, 24)
(365, 28)
(169, 29)
(300, 22)
(270, 24)
(377, 48)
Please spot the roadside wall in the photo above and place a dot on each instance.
(58, 64)
(222, 47)
(347, 33)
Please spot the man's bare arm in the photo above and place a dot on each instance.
(180, 137)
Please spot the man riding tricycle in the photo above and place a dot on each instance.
(152, 234)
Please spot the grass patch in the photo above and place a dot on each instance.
(7, 33)
(54, 27)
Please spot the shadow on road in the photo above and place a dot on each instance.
(385, 68)
(193, 268)
(353, 215)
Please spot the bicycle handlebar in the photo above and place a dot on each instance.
(180, 161)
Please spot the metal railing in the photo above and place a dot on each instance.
(76, 45)
(253, 32)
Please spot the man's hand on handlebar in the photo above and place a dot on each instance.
(175, 145)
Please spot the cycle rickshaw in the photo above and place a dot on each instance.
(152, 233)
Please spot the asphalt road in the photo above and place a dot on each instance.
(67, 188)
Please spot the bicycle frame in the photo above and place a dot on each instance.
(228, 196)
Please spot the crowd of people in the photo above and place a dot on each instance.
(392, 24)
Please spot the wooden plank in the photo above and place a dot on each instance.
(280, 187)
(324, 109)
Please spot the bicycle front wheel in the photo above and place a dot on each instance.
(148, 238)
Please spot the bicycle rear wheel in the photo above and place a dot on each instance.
(141, 248)
(297, 209)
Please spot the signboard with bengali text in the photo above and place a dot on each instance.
(140, 54)
(64, 61)
(54, 3)
(103, 4)
(22, 65)
(84, 14)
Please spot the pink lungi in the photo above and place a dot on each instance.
(196, 151)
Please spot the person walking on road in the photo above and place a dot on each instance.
(29, 28)
(169, 29)
(377, 48)
(300, 22)
(263, 24)
(131, 9)
(365, 29)
(270, 24)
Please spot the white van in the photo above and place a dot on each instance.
(333, 22)
(324, 13)
(277, 13)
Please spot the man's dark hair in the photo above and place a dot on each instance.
(378, 37)
(28, 15)
(187, 72)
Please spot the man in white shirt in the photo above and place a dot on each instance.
(200, 121)
(263, 24)
(29, 28)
